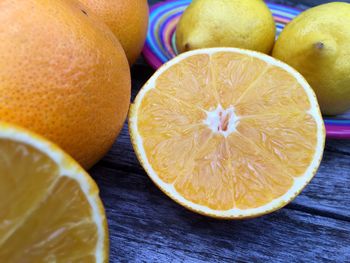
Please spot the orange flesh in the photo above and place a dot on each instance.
(273, 141)
(44, 217)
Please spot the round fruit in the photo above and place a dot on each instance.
(128, 20)
(244, 24)
(64, 75)
(316, 43)
(228, 133)
(51, 211)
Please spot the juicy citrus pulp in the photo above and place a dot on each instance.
(227, 132)
(49, 207)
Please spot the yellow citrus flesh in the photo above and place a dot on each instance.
(228, 133)
(49, 207)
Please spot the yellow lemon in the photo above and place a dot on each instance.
(317, 44)
(244, 24)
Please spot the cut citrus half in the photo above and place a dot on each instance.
(50, 210)
(228, 133)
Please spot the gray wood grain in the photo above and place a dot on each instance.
(146, 226)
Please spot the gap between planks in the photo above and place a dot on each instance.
(291, 206)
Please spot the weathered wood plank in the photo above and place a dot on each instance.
(146, 226)
(338, 146)
(328, 193)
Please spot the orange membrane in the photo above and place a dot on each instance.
(43, 216)
(227, 130)
(222, 121)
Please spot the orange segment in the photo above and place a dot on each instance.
(290, 138)
(68, 227)
(19, 190)
(209, 160)
(171, 155)
(190, 82)
(233, 73)
(228, 133)
(161, 112)
(49, 207)
(170, 130)
(276, 91)
(257, 179)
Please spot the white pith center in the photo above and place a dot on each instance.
(222, 121)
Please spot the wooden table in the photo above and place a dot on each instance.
(146, 226)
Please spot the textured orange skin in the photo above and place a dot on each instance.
(128, 20)
(64, 75)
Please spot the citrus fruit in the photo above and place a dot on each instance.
(228, 133)
(50, 208)
(316, 43)
(64, 75)
(227, 23)
(128, 20)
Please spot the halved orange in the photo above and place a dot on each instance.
(50, 210)
(228, 133)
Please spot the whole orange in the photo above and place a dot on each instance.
(63, 74)
(128, 20)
